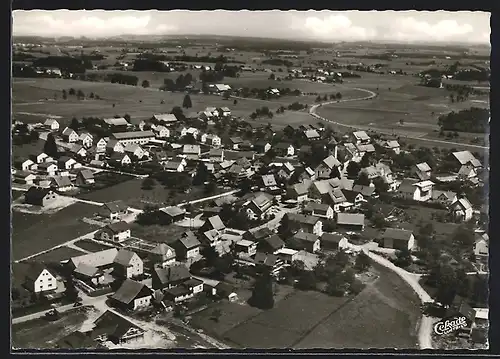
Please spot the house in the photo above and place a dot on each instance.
(40, 158)
(351, 221)
(162, 254)
(353, 197)
(190, 131)
(133, 150)
(371, 172)
(220, 88)
(101, 260)
(392, 145)
(466, 158)
(305, 241)
(224, 112)
(61, 183)
(211, 139)
(165, 118)
(128, 264)
(336, 198)
(132, 295)
(270, 244)
(211, 237)
(84, 177)
(467, 172)
(194, 285)
(24, 177)
(28, 165)
(117, 329)
(311, 135)
(161, 131)
(216, 155)
(89, 275)
(101, 145)
(86, 139)
(284, 149)
(137, 137)
(173, 166)
(120, 159)
(364, 149)
(247, 247)
(334, 241)
(319, 210)
(115, 232)
(191, 152)
(40, 196)
(187, 246)
(78, 150)
(406, 189)
(115, 124)
(173, 214)
(461, 210)
(422, 171)
(262, 146)
(268, 180)
(169, 277)
(360, 137)
(260, 204)
(309, 224)
(66, 163)
(299, 191)
(97, 163)
(48, 168)
(113, 146)
(37, 278)
(400, 239)
(268, 262)
(70, 135)
(113, 210)
(213, 222)
(286, 171)
(446, 198)
(257, 235)
(481, 246)
(235, 142)
(325, 168)
(423, 190)
(51, 124)
(287, 255)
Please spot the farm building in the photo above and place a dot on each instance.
(165, 118)
(127, 264)
(117, 329)
(115, 124)
(400, 239)
(308, 224)
(351, 221)
(137, 137)
(173, 214)
(132, 295)
(334, 241)
(84, 177)
(40, 196)
(100, 260)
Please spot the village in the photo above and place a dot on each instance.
(293, 201)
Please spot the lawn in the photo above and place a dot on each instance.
(22, 152)
(384, 315)
(59, 254)
(90, 245)
(133, 195)
(34, 233)
(16, 194)
(42, 334)
(156, 233)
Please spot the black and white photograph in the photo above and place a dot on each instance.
(232, 180)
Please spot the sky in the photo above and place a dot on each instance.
(400, 26)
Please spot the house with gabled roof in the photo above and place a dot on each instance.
(334, 241)
(467, 172)
(481, 246)
(48, 168)
(211, 139)
(86, 139)
(311, 135)
(67, 163)
(61, 183)
(162, 254)
(24, 177)
(224, 111)
(400, 239)
(324, 169)
(392, 145)
(132, 295)
(173, 166)
(35, 277)
(191, 152)
(270, 244)
(40, 158)
(128, 264)
(214, 222)
(216, 155)
(169, 277)
(262, 146)
(84, 177)
(121, 159)
(115, 124)
(422, 171)
(461, 210)
(320, 210)
(284, 149)
(172, 214)
(304, 241)
(187, 246)
(113, 210)
(235, 142)
(114, 232)
(351, 221)
(69, 135)
(464, 158)
(101, 145)
(446, 198)
(27, 165)
(40, 196)
(309, 224)
(133, 150)
(360, 137)
(257, 235)
(113, 146)
(260, 203)
(161, 131)
(101, 259)
(165, 118)
(423, 190)
(51, 124)
(117, 329)
(77, 150)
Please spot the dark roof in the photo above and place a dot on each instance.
(265, 259)
(129, 290)
(77, 340)
(118, 227)
(86, 270)
(189, 240)
(124, 257)
(396, 233)
(260, 233)
(283, 145)
(351, 218)
(172, 274)
(275, 242)
(114, 325)
(308, 237)
(86, 174)
(407, 186)
(364, 190)
(177, 291)
(300, 218)
(350, 196)
(332, 237)
(115, 206)
(192, 282)
(36, 193)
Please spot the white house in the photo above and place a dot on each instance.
(424, 191)
(128, 264)
(134, 150)
(114, 146)
(70, 135)
(48, 168)
(114, 232)
(211, 139)
(39, 279)
(28, 165)
(52, 124)
(86, 139)
(161, 132)
(191, 130)
(66, 163)
(319, 210)
(462, 209)
(360, 137)
(392, 145)
(101, 145)
(481, 248)
(120, 158)
(40, 158)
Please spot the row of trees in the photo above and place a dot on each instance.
(336, 96)
(470, 120)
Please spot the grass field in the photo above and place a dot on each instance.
(22, 152)
(42, 334)
(58, 254)
(34, 233)
(156, 233)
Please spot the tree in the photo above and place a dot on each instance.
(353, 169)
(145, 83)
(379, 221)
(80, 94)
(262, 293)
(363, 179)
(318, 99)
(336, 285)
(64, 94)
(91, 95)
(403, 258)
(216, 314)
(235, 102)
(186, 103)
(75, 125)
(72, 92)
(209, 254)
(365, 160)
(148, 184)
(70, 292)
(380, 185)
(464, 236)
(338, 96)
(201, 174)
(446, 285)
(362, 262)
(50, 147)
(272, 77)
(307, 281)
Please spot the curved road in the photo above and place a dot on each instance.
(371, 94)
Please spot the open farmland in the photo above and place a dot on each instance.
(35, 233)
(57, 255)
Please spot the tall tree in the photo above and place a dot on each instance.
(50, 147)
(75, 125)
(186, 103)
(80, 94)
(64, 94)
(363, 179)
(145, 84)
(353, 169)
(262, 293)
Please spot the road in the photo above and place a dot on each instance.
(371, 94)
